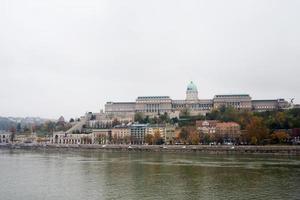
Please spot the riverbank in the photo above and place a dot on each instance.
(206, 149)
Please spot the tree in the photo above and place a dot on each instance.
(230, 114)
(164, 118)
(146, 120)
(280, 119)
(157, 139)
(139, 117)
(155, 120)
(115, 139)
(49, 126)
(115, 122)
(174, 120)
(149, 139)
(244, 118)
(183, 134)
(279, 137)
(189, 134)
(185, 113)
(253, 140)
(71, 120)
(193, 138)
(208, 138)
(256, 130)
(213, 115)
(127, 139)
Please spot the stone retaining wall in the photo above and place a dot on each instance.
(217, 149)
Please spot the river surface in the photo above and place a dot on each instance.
(38, 175)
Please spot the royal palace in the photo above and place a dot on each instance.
(154, 105)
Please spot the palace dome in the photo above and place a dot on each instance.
(192, 87)
(191, 92)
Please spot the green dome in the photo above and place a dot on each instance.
(192, 87)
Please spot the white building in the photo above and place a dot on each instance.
(5, 137)
(154, 105)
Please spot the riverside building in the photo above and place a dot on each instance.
(5, 137)
(219, 131)
(120, 134)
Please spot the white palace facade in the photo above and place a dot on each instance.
(154, 105)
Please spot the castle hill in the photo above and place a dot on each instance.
(149, 100)
(230, 123)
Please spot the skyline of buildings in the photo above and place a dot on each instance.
(117, 124)
(154, 105)
(190, 98)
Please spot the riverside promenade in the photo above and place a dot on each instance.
(205, 149)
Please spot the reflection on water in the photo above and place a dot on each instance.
(96, 175)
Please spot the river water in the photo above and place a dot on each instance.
(30, 175)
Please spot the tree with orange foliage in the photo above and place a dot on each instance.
(157, 139)
(149, 139)
(256, 130)
(279, 137)
(189, 134)
(193, 138)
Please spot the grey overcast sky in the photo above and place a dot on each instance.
(66, 57)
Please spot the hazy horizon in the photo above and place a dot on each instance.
(69, 57)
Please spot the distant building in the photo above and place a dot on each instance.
(155, 105)
(95, 136)
(120, 134)
(169, 135)
(120, 109)
(240, 101)
(269, 105)
(101, 136)
(167, 132)
(206, 126)
(221, 132)
(296, 106)
(156, 128)
(5, 137)
(69, 138)
(137, 133)
(228, 131)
